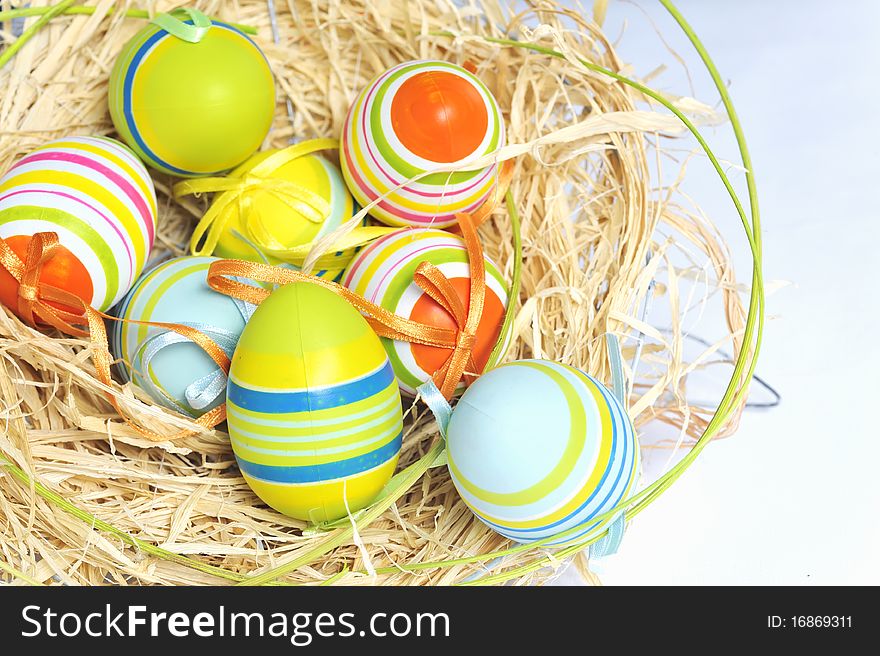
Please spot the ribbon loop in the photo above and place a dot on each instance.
(191, 33)
(236, 192)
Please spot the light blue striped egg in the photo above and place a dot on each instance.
(537, 448)
(173, 370)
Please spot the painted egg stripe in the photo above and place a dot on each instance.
(319, 418)
(127, 91)
(323, 472)
(293, 430)
(118, 155)
(34, 176)
(299, 455)
(127, 186)
(381, 127)
(117, 215)
(341, 204)
(103, 227)
(398, 200)
(12, 226)
(99, 165)
(315, 493)
(134, 167)
(591, 486)
(383, 154)
(288, 371)
(360, 431)
(613, 467)
(175, 290)
(581, 497)
(96, 166)
(378, 166)
(590, 529)
(295, 423)
(378, 255)
(406, 265)
(304, 400)
(157, 289)
(383, 273)
(452, 197)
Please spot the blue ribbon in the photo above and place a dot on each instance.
(204, 392)
(615, 358)
(609, 544)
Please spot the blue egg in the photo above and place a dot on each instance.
(173, 370)
(537, 448)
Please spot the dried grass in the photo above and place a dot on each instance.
(590, 218)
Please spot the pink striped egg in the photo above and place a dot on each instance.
(98, 197)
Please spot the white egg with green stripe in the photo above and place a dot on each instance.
(537, 448)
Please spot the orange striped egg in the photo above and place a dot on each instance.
(383, 274)
(98, 197)
(416, 118)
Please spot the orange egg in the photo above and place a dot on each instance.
(64, 270)
(429, 312)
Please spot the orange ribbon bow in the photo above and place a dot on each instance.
(35, 307)
(428, 277)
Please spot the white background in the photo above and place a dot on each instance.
(793, 497)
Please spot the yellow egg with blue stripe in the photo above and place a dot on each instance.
(314, 411)
(538, 448)
(191, 96)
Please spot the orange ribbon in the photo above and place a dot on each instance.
(428, 277)
(34, 298)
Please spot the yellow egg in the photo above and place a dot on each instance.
(265, 219)
(314, 410)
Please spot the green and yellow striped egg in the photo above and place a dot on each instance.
(314, 412)
(192, 108)
(275, 222)
(537, 448)
(383, 274)
(98, 198)
(173, 370)
(418, 118)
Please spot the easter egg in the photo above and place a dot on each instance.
(417, 118)
(314, 412)
(383, 274)
(261, 220)
(99, 199)
(537, 448)
(173, 370)
(192, 108)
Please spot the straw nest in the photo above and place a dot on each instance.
(85, 500)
